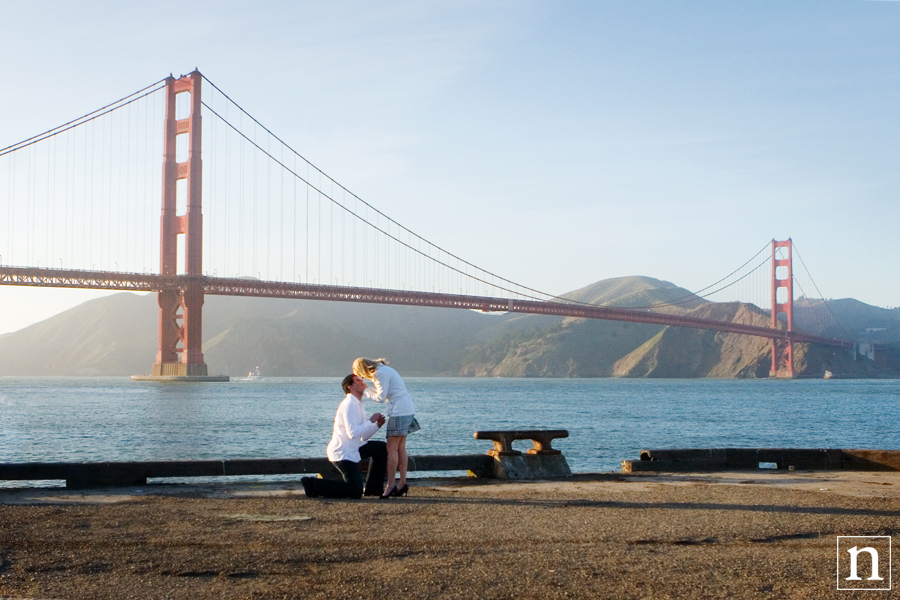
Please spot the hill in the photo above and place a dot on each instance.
(683, 352)
(106, 336)
(637, 292)
(117, 335)
(590, 348)
(854, 318)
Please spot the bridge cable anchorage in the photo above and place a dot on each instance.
(83, 119)
(539, 294)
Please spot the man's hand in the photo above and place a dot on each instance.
(377, 418)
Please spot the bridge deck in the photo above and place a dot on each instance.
(219, 286)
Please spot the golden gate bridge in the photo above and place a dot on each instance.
(241, 213)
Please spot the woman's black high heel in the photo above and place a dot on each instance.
(390, 492)
(401, 492)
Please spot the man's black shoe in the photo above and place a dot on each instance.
(308, 483)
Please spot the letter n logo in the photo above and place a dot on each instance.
(864, 562)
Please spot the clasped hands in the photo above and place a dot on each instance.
(377, 418)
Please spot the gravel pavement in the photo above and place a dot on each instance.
(608, 535)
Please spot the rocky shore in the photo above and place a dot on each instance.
(729, 535)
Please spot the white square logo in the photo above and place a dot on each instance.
(864, 562)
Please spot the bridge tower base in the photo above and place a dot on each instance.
(782, 309)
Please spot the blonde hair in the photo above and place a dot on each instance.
(365, 367)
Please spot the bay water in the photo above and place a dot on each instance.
(116, 419)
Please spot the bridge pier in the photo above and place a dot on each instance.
(782, 359)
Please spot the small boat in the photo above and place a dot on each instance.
(828, 375)
(253, 375)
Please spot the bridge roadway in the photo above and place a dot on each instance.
(220, 286)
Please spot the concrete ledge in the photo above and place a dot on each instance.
(723, 459)
(115, 474)
(669, 466)
(530, 466)
(479, 465)
(870, 460)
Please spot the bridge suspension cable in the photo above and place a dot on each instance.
(362, 213)
(317, 186)
(82, 195)
(706, 292)
(809, 310)
(141, 93)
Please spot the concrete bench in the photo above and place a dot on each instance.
(503, 440)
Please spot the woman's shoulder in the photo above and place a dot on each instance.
(386, 370)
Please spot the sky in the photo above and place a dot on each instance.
(553, 143)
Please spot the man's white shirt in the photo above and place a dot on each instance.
(351, 430)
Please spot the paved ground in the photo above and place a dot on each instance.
(730, 535)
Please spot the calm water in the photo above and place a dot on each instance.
(103, 419)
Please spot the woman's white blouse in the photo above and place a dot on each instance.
(390, 389)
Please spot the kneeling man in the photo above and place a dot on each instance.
(349, 444)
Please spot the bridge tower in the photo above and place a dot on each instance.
(782, 308)
(180, 309)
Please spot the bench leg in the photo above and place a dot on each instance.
(503, 447)
(542, 447)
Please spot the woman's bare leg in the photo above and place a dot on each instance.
(393, 444)
(402, 460)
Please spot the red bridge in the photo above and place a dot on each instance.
(268, 207)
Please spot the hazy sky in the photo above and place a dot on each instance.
(554, 143)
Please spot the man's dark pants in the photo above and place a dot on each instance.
(352, 486)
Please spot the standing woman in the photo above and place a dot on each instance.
(400, 412)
